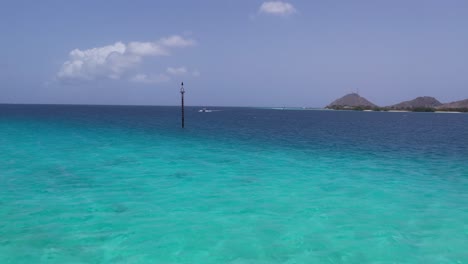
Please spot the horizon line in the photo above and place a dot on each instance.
(166, 105)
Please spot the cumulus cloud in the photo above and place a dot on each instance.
(277, 8)
(114, 61)
(147, 49)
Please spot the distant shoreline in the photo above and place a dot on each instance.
(344, 109)
(354, 101)
(354, 110)
(414, 110)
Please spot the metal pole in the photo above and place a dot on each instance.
(182, 91)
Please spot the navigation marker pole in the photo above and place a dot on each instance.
(182, 91)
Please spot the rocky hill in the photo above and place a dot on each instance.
(463, 104)
(419, 102)
(352, 100)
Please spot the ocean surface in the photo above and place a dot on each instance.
(125, 184)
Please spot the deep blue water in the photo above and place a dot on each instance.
(125, 184)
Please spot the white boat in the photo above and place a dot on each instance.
(204, 110)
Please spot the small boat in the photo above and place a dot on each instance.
(204, 110)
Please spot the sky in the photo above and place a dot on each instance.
(232, 52)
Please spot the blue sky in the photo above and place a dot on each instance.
(232, 52)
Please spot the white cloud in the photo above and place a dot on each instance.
(116, 60)
(93, 62)
(147, 49)
(177, 71)
(277, 8)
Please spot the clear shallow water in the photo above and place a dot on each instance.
(95, 184)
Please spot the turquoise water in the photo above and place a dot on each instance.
(95, 184)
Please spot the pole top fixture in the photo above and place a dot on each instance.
(182, 88)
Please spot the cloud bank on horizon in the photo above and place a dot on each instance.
(277, 8)
(117, 61)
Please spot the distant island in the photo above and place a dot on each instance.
(354, 101)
